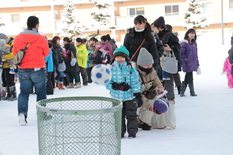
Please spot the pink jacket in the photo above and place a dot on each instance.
(227, 66)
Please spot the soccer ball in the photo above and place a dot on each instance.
(160, 106)
(101, 74)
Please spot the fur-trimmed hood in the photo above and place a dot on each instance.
(184, 41)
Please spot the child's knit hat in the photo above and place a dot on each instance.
(2, 42)
(121, 51)
(2, 36)
(144, 58)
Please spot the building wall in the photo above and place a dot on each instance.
(50, 22)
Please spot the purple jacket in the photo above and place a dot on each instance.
(188, 53)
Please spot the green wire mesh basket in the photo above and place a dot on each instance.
(79, 126)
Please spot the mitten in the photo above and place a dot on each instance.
(120, 86)
(138, 97)
(114, 86)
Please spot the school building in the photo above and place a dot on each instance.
(14, 14)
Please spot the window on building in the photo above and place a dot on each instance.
(231, 4)
(207, 7)
(171, 10)
(15, 18)
(135, 11)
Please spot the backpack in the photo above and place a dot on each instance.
(91, 57)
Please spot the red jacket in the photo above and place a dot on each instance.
(37, 50)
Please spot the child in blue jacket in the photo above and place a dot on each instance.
(125, 86)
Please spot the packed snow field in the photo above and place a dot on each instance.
(204, 123)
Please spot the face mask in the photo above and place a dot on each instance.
(139, 30)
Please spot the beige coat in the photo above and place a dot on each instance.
(148, 81)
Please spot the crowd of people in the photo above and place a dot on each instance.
(138, 69)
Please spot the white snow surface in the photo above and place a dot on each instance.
(204, 123)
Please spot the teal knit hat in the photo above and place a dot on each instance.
(121, 51)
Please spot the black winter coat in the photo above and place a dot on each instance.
(58, 52)
(173, 43)
(133, 40)
(70, 48)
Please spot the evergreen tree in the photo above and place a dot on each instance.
(71, 24)
(194, 18)
(100, 13)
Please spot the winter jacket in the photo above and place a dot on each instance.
(70, 48)
(227, 66)
(171, 40)
(82, 53)
(159, 45)
(92, 48)
(124, 73)
(113, 43)
(91, 58)
(102, 57)
(107, 47)
(37, 50)
(188, 52)
(49, 61)
(4, 50)
(231, 54)
(7, 57)
(148, 81)
(58, 53)
(133, 40)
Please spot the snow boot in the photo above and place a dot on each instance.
(8, 95)
(22, 119)
(13, 94)
(132, 135)
(4, 91)
(178, 89)
(77, 85)
(191, 87)
(60, 87)
(183, 88)
(71, 85)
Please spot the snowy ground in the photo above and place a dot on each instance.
(204, 123)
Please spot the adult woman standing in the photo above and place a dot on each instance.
(59, 52)
(190, 62)
(140, 33)
(71, 70)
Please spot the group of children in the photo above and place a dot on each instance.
(130, 85)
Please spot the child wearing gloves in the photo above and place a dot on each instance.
(150, 87)
(125, 86)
